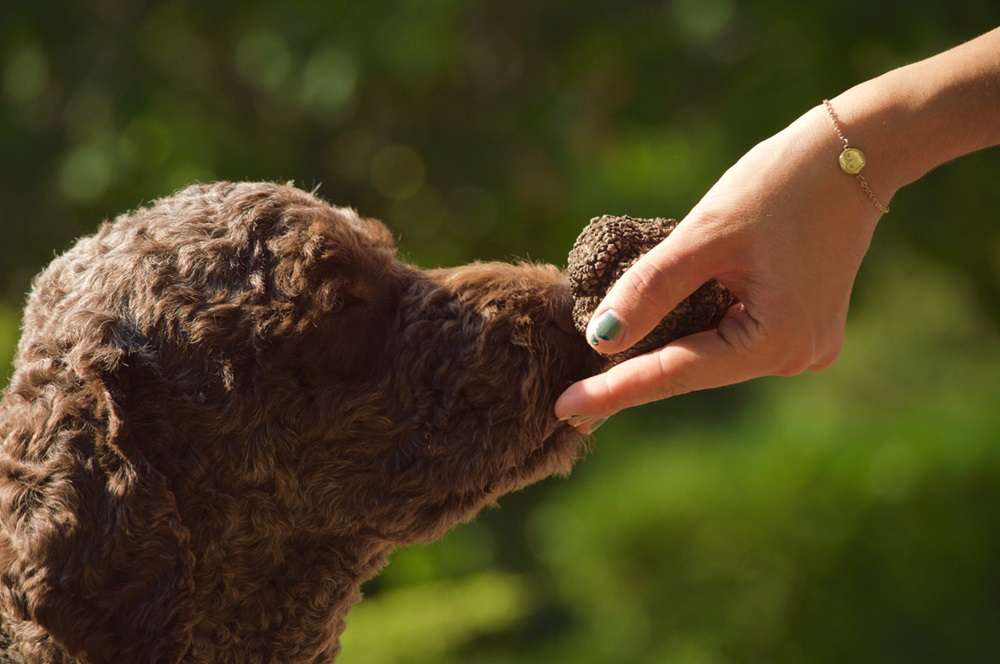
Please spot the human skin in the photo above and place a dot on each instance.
(786, 231)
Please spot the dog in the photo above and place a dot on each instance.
(229, 407)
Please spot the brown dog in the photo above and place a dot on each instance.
(230, 406)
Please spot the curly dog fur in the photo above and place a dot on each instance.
(228, 407)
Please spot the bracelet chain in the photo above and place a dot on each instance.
(854, 158)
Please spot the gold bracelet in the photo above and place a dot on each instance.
(852, 160)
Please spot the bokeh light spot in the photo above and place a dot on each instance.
(26, 74)
(421, 218)
(397, 172)
(86, 174)
(149, 137)
(328, 81)
(263, 59)
(703, 19)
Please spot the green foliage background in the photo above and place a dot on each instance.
(850, 515)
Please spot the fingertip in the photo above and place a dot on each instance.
(605, 331)
(563, 408)
(590, 397)
(580, 400)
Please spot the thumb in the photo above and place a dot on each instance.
(652, 287)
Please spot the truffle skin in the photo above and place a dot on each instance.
(607, 247)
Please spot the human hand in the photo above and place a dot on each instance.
(785, 231)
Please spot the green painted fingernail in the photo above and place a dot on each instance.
(607, 327)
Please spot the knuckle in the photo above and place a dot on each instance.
(669, 383)
(796, 348)
(610, 399)
(742, 333)
(665, 380)
(821, 365)
(794, 366)
(829, 358)
(643, 281)
(794, 357)
(782, 353)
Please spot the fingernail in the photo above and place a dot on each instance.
(606, 327)
(586, 423)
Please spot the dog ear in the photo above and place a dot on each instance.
(94, 554)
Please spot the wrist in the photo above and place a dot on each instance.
(911, 120)
(882, 120)
(815, 140)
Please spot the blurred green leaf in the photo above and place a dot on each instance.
(422, 623)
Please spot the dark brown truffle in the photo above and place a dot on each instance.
(607, 247)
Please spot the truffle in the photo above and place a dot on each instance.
(607, 247)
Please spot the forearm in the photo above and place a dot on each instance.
(915, 118)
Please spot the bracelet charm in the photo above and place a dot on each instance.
(852, 160)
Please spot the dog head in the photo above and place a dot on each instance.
(245, 340)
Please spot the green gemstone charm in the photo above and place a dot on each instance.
(852, 160)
